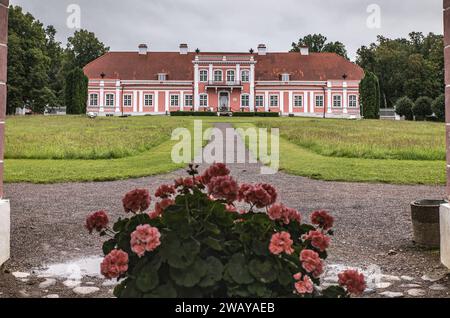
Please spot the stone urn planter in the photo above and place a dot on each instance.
(425, 220)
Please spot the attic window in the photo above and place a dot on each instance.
(285, 77)
(162, 77)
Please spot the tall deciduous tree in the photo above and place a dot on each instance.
(369, 89)
(84, 47)
(318, 43)
(76, 91)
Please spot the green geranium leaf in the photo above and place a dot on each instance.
(334, 292)
(237, 268)
(260, 248)
(260, 290)
(263, 271)
(214, 270)
(179, 253)
(108, 246)
(213, 243)
(191, 276)
(147, 279)
(163, 291)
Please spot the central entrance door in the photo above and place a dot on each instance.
(224, 102)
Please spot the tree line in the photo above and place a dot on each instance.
(404, 73)
(41, 71)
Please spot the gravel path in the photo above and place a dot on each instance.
(373, 227)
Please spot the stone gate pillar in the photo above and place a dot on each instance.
(4, 204)
(445, 209)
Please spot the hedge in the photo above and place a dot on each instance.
(191, 113)
(235, 114)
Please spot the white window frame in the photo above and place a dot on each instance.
(162, 77)
(203, 100)
(273, 98)
(216, 77)
(245, 78)
(335, 100)
(285, 77)
(322, 103)
(174, 100)
(188, 100)
(109, 100)
(247, 98)
(231, 79)
(127, 100)
(148, 98)
(91, 99)
(203, 76)
(262, 101)
(296, 96)
(350, 102)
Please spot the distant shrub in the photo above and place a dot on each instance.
(267, 114)
(404, 107)
(244, 114)
(422, 108)
(192, 113)
(438, 107)
(76, 92)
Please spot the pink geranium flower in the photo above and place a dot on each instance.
(223, 187)
(303, 285)
(280, 212)
(165, 191)
(215, 170)
(311, 262)
(259, 195)
(160, 207)
(353, 281)
(136, 201)
(281, 242)
(114, 264)
(97, 221)
(318, 240)
(322, 219)
(145, 239)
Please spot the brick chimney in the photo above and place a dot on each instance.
(304, 50)
(184, 49)
(262, 49)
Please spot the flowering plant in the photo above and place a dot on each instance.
(197, 242)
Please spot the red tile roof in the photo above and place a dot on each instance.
(312, 67)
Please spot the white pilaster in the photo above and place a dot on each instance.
(210, 73)
(252, 87)
(156, 101)
(196, 90)
(266, 101)
(181, 100)
(238, 73)
(118, 97)
(282, 101)
(102, 96)
(135, 95)
(167, 100)
(5, 230)
(141, 101)
(311, 102)
(306, 102)
(329, 101)
(291, 102)
(345, 98)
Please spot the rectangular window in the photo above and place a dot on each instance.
(188, 101)
(273, 100)
(259, 101)
(218, 76)
(245, 76)
(353, 101)
(230, 76)
(126, 100)
(319, 101)
(109, 100)
(203, 76)
(337, 101)
(174, 100)
(93, 100)
(285, 77)
(245, 100)
(203, 100)
(298, 101)
(148, 100)
(162, 77)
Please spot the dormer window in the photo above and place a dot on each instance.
(162, 77)
(285, 77)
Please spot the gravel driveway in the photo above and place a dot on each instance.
(373, 227)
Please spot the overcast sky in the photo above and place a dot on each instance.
(236, 25)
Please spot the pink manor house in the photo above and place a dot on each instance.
(156, 83)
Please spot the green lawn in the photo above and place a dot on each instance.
(72, 148)
(120, 148)
(302, 161)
